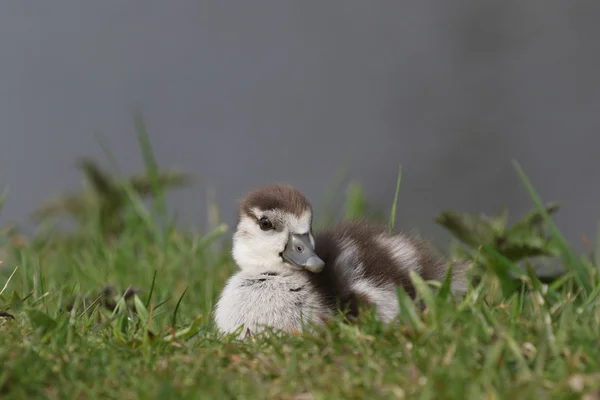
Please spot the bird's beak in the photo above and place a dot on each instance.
(300, 253)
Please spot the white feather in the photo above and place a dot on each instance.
(384, 298)
(284, 302)
(403, 252)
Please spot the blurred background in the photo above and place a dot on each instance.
(246, 93)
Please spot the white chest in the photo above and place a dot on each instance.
(283, 302)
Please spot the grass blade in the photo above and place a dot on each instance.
(141, 310)
(581, 274)
(213, 235)
(392, 222)
(444, 290)
(96, 301)
(174, 319)
(425, 292)
(151, 290)
(408, 310)
(8, 280)
(512, 345)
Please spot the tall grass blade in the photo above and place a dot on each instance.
(212, 236)
(408, 310)
(444, 291)
(151, 290)
(174, 319)
(392, 222)
(581, 273)
(425, 292)
(9, 278)
(141, 310)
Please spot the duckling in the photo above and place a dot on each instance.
(290, 277)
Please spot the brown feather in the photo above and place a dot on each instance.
(275, 197)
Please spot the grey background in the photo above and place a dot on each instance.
(243, 93)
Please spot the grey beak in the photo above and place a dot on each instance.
(300, 253)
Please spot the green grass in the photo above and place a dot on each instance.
(538, 341)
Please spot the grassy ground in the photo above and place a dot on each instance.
(505, 339)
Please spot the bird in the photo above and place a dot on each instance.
(291, 278)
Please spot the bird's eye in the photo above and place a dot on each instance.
(265, 224)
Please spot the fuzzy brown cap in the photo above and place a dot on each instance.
(275, 197)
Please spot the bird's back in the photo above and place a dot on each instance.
(364, 261)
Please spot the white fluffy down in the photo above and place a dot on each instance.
(284, 302)
(253, 297)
